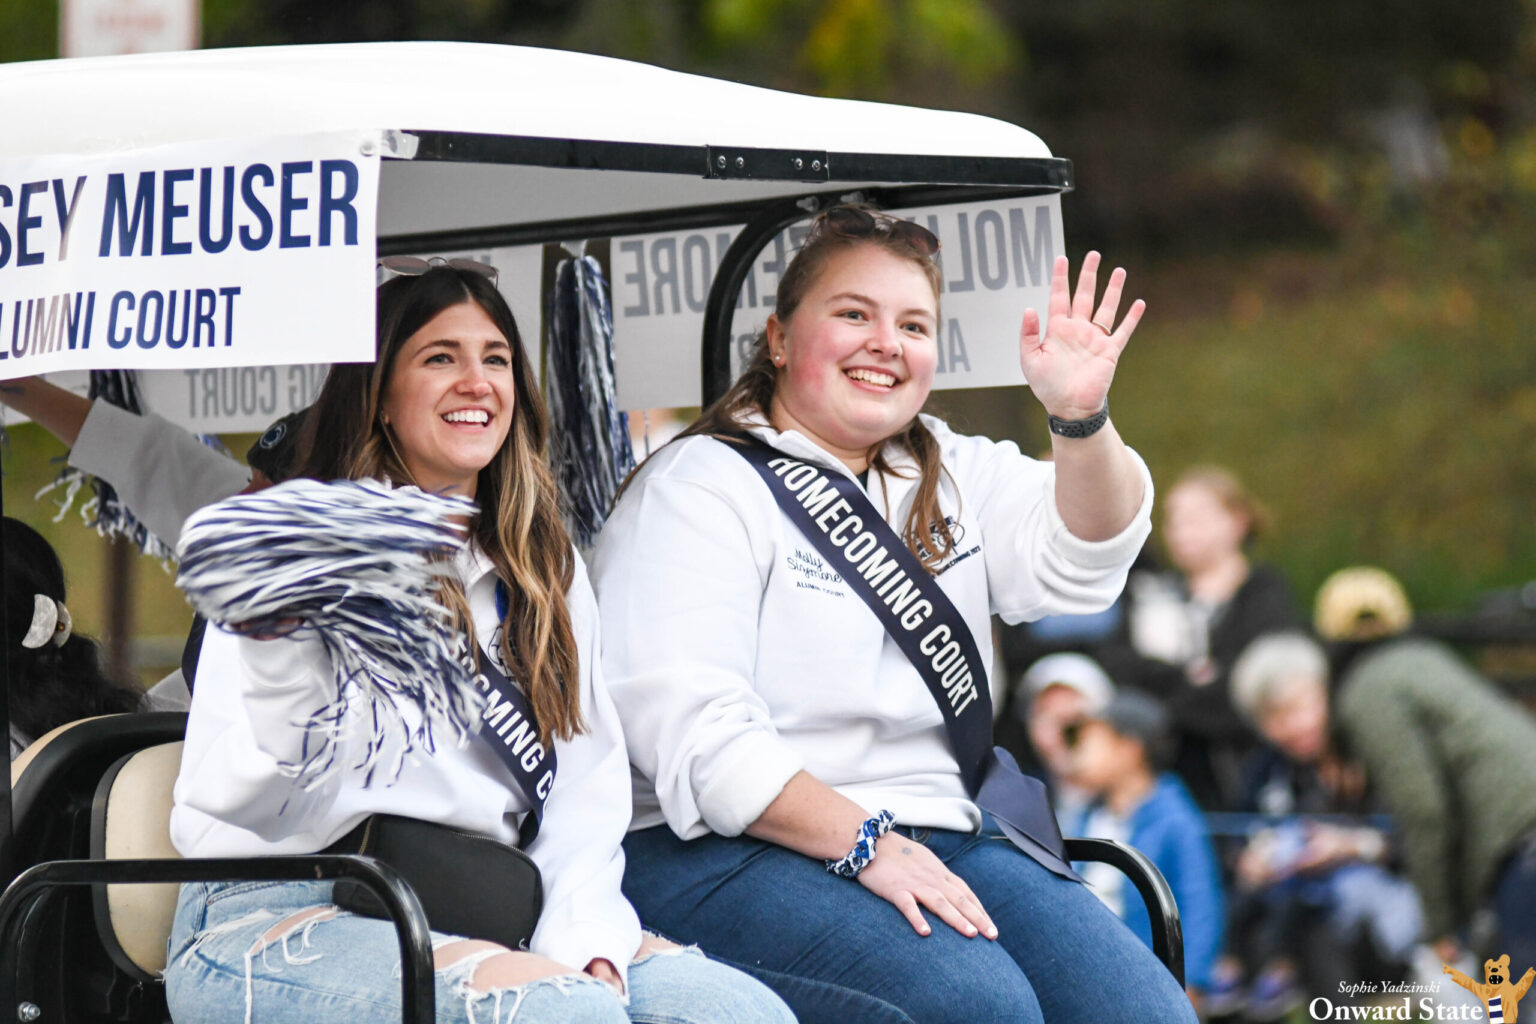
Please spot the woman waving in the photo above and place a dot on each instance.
(803, 584)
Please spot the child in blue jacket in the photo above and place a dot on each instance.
(1118, 754)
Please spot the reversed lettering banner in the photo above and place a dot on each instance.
(996, 259)
(214, 399)
(188, 257)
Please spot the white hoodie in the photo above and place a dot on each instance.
(737, 657)
(160, 471)
(230, 794)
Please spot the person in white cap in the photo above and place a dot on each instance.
(1053, 693)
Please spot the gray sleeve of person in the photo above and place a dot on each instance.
(161, 472)
(1454, 759)
(1387, 719)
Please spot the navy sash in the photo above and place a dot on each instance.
(509, 726)
(839, 520)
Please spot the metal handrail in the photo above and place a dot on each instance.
(1167, 929)
(417, 988)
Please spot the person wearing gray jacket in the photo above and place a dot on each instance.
(1452, 758)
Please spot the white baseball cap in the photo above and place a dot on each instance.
(1075, 671)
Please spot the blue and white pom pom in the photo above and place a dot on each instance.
(358, 564)
(589, 447)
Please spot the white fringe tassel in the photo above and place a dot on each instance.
(358, 564)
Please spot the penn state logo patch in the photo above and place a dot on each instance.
(493, 650)
(275, 433)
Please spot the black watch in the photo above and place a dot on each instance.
(1081, 428)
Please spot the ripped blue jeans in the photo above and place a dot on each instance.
(281, 953)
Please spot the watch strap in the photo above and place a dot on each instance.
(1080, 428)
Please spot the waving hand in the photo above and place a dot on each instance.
(1070, 365)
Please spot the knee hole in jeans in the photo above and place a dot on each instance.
(652, 944)
(500, 968)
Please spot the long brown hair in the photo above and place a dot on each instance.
(925, 529)
(519, 525)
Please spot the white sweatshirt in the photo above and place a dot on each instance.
(737, 657)
(161, 472)
(230, 793)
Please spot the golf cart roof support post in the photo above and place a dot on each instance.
(734, 267)
(5, 715)
(771, 218)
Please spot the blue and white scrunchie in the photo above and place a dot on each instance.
(864, 847)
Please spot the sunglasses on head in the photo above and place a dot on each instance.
(854, 222)
(415, 266)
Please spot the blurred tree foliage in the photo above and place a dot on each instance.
(259, 22)
(863, 47)
(1192, 123)
(1237, 123)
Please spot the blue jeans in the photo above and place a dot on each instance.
(837, 953)
(238, 953)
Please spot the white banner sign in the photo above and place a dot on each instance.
(231, 399)
(246, 399)
(225, 253)
(996, 259)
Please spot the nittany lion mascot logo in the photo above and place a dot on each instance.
(1500, 998)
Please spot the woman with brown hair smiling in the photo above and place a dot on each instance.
(798, 593)
(450, 407)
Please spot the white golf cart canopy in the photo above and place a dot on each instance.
(546, 113)
(490, 146)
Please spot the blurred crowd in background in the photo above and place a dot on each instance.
(1332, 793)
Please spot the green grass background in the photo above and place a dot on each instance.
(1380, 398)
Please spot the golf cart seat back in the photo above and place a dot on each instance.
(59, 959)
(54, 780)
(131, 820)
(88, 947)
